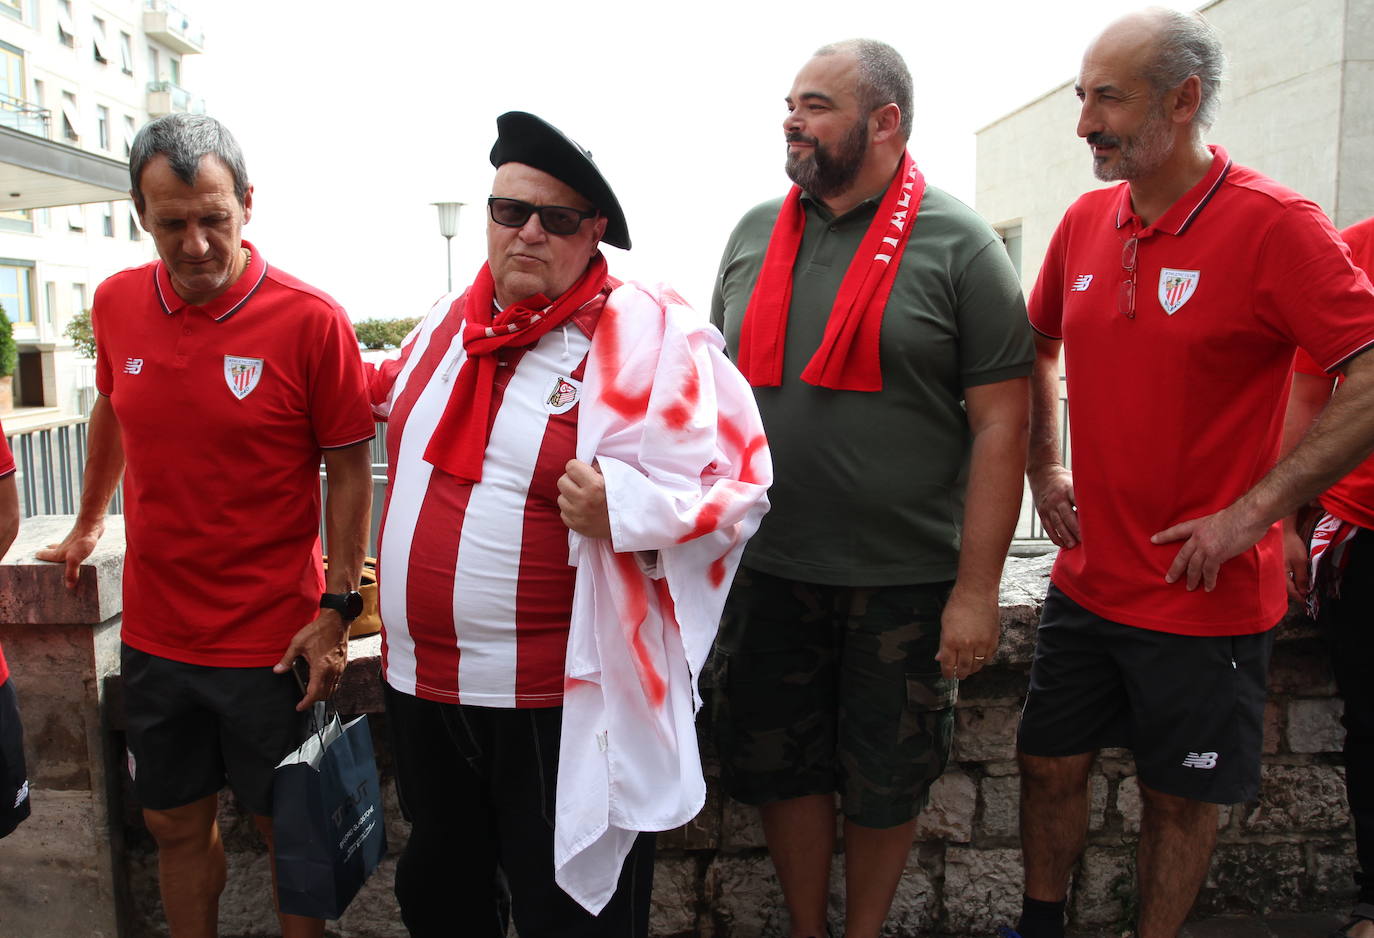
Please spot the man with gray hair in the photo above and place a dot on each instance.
(223, 381)
(881, 325)
(1178, 298)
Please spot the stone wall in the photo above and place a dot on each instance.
(1290, 851)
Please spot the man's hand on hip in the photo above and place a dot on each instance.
(969, 631)
(324, 646)
(1209, 542)
(1052, 490)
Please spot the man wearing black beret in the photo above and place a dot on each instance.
(574, 467)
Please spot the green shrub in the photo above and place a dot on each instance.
(384, 333)
(9, 352)
(82, 335)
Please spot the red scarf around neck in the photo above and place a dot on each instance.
(460, 439)
(847, 359)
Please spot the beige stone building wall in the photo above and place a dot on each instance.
(1297, 104)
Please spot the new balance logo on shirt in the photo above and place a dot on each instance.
(1200, 760)
(1081, 282)
(22, 795)
(133, 366)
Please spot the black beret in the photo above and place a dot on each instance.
(524, 138)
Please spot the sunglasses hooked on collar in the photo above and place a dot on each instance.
(556, 219)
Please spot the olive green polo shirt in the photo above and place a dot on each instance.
(869, 487)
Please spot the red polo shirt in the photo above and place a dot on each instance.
(1352, 498)
(1176, 412)
(224, 409)
(6, 470)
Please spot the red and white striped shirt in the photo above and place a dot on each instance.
(476, 590)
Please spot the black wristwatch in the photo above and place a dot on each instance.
(348, 605)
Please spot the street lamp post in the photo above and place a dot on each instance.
(448, 227)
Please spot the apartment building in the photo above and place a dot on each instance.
(77, 80)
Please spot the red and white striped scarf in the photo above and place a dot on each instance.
(847, 359)
(1328, 557)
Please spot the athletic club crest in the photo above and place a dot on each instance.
(562, 394)
(242, 374)
(1176, 287)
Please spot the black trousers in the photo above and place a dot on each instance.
(477, 785)
(1348, 621)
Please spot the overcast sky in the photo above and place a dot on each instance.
(355, 116)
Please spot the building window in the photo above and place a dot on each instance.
(107, 219)
(102, 54)
(126, 53)
(15, 290)
(129, 133)
(1011, 240)
(154, 65)
(174, 70)
(11, 76)
(71, 117)
(78, 298)
(50, 301)
(14, 8)
(66, 32)
(102, 125)
(76, 218)
(19, 219)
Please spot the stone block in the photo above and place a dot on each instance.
(983, 734)
(744, 897)
(1097, 802)
(997, 686)
(1298, 799)
(949, 814)
(674, 907)
(1301, 666)
(1314, 725)
(1001, 806)
(373, 913)
(33, 591)
(739, 826)
(245, 906)
(916, 900)
(982, 889)
(1104, 889)
(1333, 867)
(1272, 728)
(56, 879)
(58, 726)
(360, 690)
(1253, 879)
(1128, 804)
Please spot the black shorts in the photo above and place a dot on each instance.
(14, 780)
(191, 728)
(1190, 707)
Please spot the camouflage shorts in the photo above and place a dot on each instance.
(832, 688)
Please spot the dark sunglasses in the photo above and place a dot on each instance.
(556, 219)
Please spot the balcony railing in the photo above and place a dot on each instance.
(169, 25)
(166, 98)
(26, 116)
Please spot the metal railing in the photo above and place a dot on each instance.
(180, 100)
(26, 116)
(50, 461)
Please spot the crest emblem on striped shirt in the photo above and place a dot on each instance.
(1176, 287)
(562, 394)
(242, 374)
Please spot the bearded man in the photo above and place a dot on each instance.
(1178, 298)
(881, 325)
